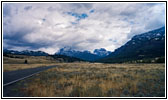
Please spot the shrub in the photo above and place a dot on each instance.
(160, 60)
(25, 61)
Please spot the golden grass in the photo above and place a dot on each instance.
(16, 62)
(12, 67)
(96, 79)
(31, 59)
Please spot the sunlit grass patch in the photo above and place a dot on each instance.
(12, 67)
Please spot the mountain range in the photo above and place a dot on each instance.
(85, 55)
(60, 58)
(66, 51)
(25, 52)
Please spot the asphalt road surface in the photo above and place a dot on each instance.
(11, 77)
(14, 76)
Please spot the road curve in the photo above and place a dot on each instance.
(14, 76)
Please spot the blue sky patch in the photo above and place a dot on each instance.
(74, 23)
(78, 16)
(83, 16)
(92, 11)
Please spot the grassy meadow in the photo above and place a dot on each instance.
(97, 80)
(16, 62)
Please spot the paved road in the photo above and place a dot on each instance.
(12, 76)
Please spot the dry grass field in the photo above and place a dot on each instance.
(16, 62)
(12, 67)
(97, 80)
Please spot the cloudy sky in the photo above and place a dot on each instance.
(82, 26)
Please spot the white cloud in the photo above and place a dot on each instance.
(48, 27)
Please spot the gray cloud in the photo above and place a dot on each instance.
(48, 27)
(28, 7)
(6, 10)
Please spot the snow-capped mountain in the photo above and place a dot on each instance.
(101, 52)
(66, 51)
(25, 52)
(85, 55)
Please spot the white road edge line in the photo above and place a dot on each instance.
(21, 79)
